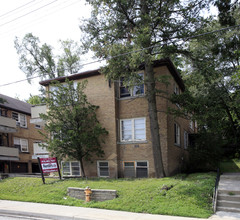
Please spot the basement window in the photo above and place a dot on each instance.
(138, 169)
(103, 168)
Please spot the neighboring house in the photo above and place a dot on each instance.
(124, 113)
(19, 139)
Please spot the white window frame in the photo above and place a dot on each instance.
(99, 167)
(21, 120)
(177, 134)
(133, 130)
(71, 168)
(132, 91)
(186, 140)
(136, 166)
(21, 144)
(176, 89)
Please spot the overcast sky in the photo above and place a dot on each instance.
(50, 20)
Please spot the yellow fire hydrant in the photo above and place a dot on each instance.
(88, 193)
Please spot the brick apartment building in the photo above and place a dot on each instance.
(124, 113)
(19, 139)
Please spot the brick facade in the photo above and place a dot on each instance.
(24, 163)
(137, 155)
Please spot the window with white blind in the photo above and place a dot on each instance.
(133, 129)
(22, 144)
(21, 119)
(71, 168)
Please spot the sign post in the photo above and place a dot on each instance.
(48, 165)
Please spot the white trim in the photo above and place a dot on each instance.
(98, 167)
(19, 120)
(71, 168)
(132, 130)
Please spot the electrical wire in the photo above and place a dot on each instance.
(18, 28)
(27, 13)
(9, 12)
(124, 54)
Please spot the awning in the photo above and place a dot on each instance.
(9, 158)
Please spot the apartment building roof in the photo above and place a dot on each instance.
(15, 105)
(157, 63)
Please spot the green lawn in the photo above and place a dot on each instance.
(230, 165)
(189, 196)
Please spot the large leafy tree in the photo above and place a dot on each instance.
(130, 33)
(72, 122)
(36, 59)
(213, 84)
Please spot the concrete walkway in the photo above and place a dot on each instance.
(59, 212)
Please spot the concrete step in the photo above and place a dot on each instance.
(228, 209)
(228, 192)
(229, 204)
(229, 197)
(232, 176)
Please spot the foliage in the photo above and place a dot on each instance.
(213, 86)
(230, 165)
(130, 34)
(72, 123)
(186, 195)
(36, 59)
(35, 100)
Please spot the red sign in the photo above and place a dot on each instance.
(49, 165)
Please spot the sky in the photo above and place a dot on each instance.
(50, 20)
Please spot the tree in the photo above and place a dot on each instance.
(213, 85)
(35, 100)
(72, 122)
(36, 59)
(132, 33)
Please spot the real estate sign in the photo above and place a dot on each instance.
(49, 165)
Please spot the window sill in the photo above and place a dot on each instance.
(132, 142)
(177, 145)
(132, 97)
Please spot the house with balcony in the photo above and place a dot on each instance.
(19, 139)
(124, 113)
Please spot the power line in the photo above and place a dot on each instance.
(39, 19)
(28, 13)
(124, 54)
(16, 9)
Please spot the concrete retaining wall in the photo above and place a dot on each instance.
(97, 194)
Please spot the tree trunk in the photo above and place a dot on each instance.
(82, 168)
(154, 126)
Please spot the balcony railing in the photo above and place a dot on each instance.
(7, 125)
(35, 112)
(9, 153)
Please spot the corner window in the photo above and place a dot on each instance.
(71, 168)
(103, 168)
(20, 143)
(176, 134)
(133, 129)
(138, 169)
(21, 119)
(136, 90)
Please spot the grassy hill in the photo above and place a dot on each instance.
(181, 195)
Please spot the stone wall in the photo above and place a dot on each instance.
(97, 194)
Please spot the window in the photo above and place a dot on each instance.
(38, 127)
(71, 168)
(136, 90)
(191, 124)
(185, 139)
(176, 134)
(21, 119)
(133, 129)
(22, 144)
(176, 89)
(103, 169)
(138, 169)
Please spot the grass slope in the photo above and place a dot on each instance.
(230, 165)
(188, 195)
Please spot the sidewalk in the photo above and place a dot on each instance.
(59, 212)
